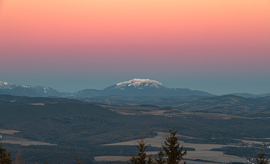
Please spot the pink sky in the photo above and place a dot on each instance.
(194, 38)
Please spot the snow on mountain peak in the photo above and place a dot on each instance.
(5, 85)
(139, 83)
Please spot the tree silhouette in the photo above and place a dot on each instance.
(5, 156)
(18, 158)
(150, 160)
(172, 148)
(160, 159)
(261, 158)
(47, 162)
(141, 158)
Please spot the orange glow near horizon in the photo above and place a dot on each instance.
(211, 30)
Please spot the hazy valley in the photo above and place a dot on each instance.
(214, 129)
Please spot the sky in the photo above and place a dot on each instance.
(217, 46)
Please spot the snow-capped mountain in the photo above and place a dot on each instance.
(5, 85)
(27, 90)
(140, 87)
(131, 89)
(134, 87)
(139, 84)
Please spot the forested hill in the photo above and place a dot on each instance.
(74, 127)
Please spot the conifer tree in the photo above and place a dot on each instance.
(141, 158)
(133, 160)
(18, 158)
(142, 155)
(172, 148)
(47, 161)
(150, 160)
(5, 156)
(160, 159)
(261, 158)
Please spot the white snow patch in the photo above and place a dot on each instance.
(3, 83)
(140, 83)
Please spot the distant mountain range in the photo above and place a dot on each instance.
(134, 88)
(27, 90)
(250, 95)
(139, 87)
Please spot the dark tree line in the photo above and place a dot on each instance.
(172, 153)
(170, 149)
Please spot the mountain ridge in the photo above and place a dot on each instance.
(141, 87)
(134, 87)
(28, 90)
